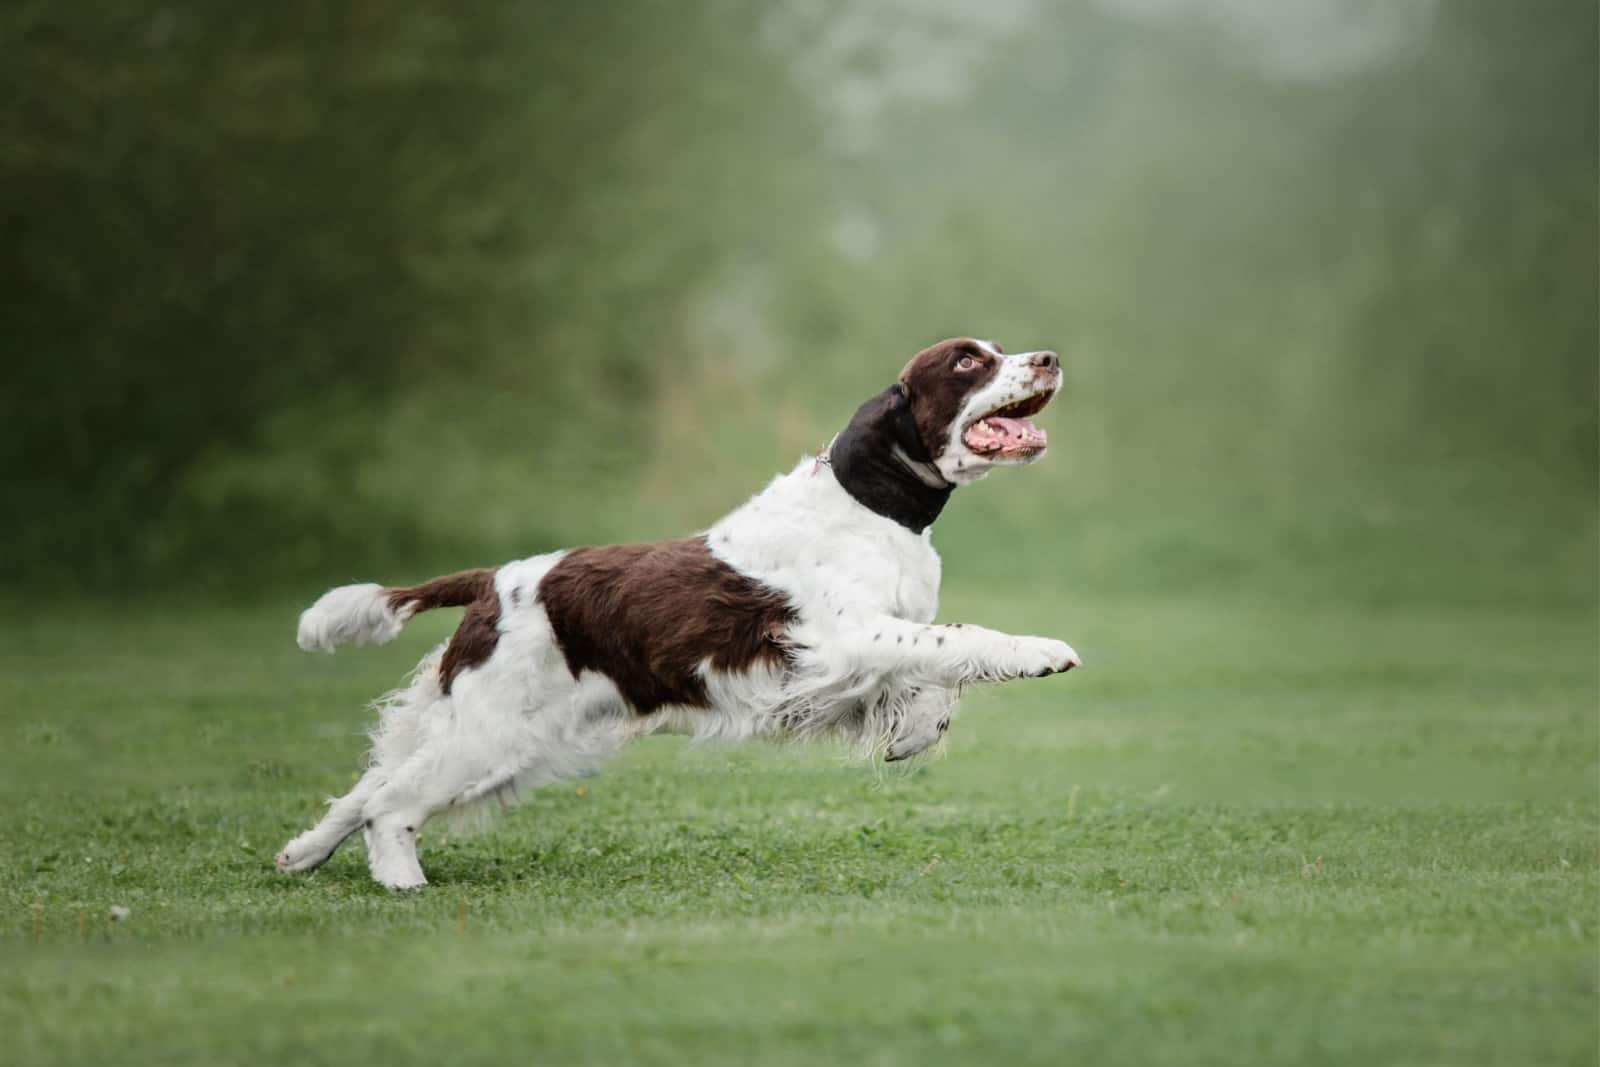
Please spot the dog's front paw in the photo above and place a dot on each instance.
(1041, 656)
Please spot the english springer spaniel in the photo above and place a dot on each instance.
(808, 611)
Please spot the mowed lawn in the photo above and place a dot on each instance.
(1244, 833)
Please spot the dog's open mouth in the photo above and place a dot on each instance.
(1008, 431)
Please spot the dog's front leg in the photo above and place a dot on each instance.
(952, 654)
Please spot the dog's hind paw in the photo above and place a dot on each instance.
(392, 855)
(302, 854)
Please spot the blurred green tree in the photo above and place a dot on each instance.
(219, 215)
(308, 286)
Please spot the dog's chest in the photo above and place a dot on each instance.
(911, 590)
(806, 538)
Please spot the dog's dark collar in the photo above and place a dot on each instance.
(880, 460)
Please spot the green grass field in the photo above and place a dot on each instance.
(1247, 832)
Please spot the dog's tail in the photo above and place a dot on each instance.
(371, 614)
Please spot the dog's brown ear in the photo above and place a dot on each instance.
(888, 419)
(903, 413)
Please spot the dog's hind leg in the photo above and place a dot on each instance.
(312, 849)
(446, 770)
(402, 724)
(448, 759)
(493, 741)
(469, 738)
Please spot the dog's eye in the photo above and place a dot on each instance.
(966, 363)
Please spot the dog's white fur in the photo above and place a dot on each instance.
(868, 663)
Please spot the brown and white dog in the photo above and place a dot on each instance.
(808, 611)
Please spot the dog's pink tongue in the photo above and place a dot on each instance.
(1006, 435)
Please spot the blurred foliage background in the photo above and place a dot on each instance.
(378, 288)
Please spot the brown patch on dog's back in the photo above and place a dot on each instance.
(937, 391)
(647, 616)
(475, 639)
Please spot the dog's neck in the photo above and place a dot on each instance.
(879, 459)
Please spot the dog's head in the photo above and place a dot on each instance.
(959, 410)
(971, 404)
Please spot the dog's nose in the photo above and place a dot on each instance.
(1046, 360)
